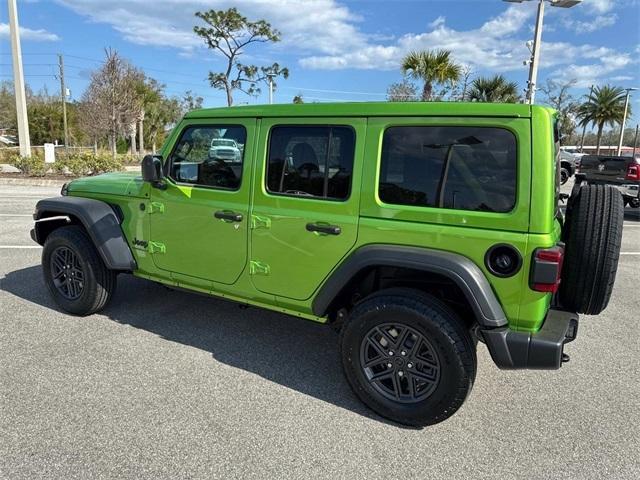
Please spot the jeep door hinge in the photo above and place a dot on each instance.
(260, 222)
(156, 247)
(257, 268)
(156, 207)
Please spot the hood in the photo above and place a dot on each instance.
(115, 183)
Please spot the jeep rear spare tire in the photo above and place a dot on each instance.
(592, 234)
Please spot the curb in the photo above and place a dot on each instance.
(33, 182)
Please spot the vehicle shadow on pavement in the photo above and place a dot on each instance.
(298, 354)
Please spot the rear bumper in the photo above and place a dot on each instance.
(630, 190)
(542, 350)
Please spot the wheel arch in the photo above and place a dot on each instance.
(569, 166)
(457, 269)
(99, 219)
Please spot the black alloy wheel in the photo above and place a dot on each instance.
(399, 362)
(67, 273)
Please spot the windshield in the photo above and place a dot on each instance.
(221, 142)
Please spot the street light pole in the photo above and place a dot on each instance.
(270, 77)
(624, 118)
(535, 55)
(18, 82)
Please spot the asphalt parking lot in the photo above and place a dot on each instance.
(166, 384)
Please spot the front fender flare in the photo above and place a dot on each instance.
(99, 220)
(466, 274)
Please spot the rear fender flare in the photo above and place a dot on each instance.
(465, 273)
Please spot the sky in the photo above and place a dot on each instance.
(335, 50)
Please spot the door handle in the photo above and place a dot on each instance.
(323, 228)
(228, 216)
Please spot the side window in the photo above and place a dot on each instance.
(467, 168)
(210, 156)
(311, 161)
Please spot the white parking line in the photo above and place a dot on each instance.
(18, 247)
(15, 215)
(629, 253)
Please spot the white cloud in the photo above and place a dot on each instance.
(39, 35)
(590, 74)
(599, 6)
(621, 78)
(326, 35)
(313, 25)
(591, 25)
(497, 45)
(437, 22)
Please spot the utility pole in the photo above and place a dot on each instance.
(635, 143)
(18, 82)
(584, 127)
(63, 95)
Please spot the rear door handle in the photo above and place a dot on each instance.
(228, 216)
(323, 228)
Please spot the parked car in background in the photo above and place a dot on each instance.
(621, 172)
(225, 149)
(568, 166)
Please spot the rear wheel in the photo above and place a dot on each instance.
(593, 235)
(408, 357)
(74, 273)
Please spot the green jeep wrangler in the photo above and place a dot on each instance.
(416, 229)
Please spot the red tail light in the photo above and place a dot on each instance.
(547, 269)
(633, 172)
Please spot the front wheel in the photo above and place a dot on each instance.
(564, 176)
(408, 357)
(74, 273)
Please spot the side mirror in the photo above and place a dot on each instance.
(152, 171)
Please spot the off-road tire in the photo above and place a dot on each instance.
(99, 282)
(444, 331)
(593, 235)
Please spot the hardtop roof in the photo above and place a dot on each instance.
(369, 109)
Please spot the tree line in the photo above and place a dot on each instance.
(444, 79)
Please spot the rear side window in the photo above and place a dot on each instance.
(311, 161)
(466, 168)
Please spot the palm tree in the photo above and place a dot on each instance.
(496, 89)
(604, 105)
(432, 67)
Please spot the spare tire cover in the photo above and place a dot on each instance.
(592, 236)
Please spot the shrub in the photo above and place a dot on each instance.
(83, 164)
(33, 166)
(77, 164)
